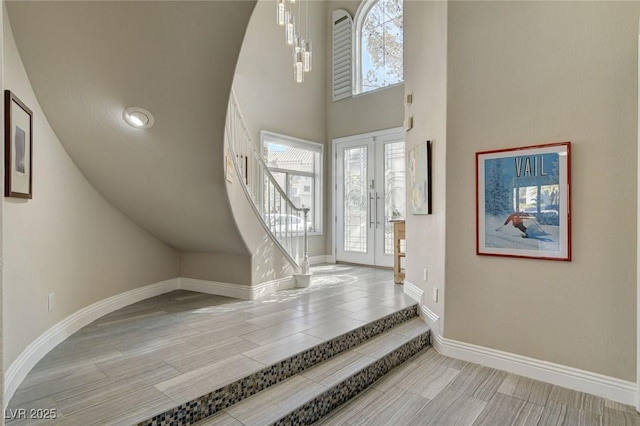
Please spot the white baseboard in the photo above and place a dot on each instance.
(317, 260)
(580, 380)
(55, 335)
(238, 291)
(413, 291)
(266, 288)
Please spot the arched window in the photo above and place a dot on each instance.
(379, 45)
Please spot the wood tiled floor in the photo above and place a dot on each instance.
(156, 354)
(432, 389)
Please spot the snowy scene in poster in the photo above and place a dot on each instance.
(523, 202)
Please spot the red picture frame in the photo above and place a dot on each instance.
(523, 202)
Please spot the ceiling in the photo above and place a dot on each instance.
(90, 60)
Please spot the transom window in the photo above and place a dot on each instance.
(379, 45)
(297, 166)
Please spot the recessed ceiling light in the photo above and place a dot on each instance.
(139, 118)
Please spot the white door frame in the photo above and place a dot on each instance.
(638, 253)
(334, 174)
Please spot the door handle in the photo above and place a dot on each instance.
(376, 209)
(369, 213)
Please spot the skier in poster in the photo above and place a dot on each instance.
(517, 220)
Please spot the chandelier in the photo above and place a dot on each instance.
(287, 14)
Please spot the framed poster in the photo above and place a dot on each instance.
(419, 177)
(523, 202)
(18, 147)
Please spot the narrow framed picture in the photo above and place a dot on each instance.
(419, 178)
(18, 147)
(523, 202)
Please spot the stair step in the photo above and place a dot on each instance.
(254, 382)
(313, 393)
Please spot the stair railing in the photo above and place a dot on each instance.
(274, 209)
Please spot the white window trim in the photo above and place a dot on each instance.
(272, 137)
(361, 13)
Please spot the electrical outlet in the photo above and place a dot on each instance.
(435, 294)
(425, 274)
(52, 301)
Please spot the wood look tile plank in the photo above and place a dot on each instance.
(268, 406)
(612, 417)
(144, 360)
(195, 383)
(360, 304)
(575, 399)
(280, 349)
(431, 356)
(71, 378)
(556, 413)
(275, 332)
(98, 393)
(412, 328)
(351, 409)
(449, 408)
(76, 358)
(526, 389)
(204, 357)
(382, 344)
(428, 380)
(372, 314)
(320, 317)
(276, 317)
(130, 319)
(122, 405)
(217, 334)
(507, 410)
(478, 381)
(396, 376)
(395, 407)
(132, 348)
(334, 328)
(619, 406)
(322, 305)
(338, 368)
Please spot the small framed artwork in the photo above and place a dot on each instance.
(419, 178)
(523, 204)
(18, 147)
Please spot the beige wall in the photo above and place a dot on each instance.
(522, 73)
(425, 62)
(219, 267)
(67, 240)
(269, 97)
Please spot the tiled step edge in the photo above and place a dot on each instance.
(349, 388)
(221, 398)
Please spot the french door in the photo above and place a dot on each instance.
(370, 191)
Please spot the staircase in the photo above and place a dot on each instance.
(267, 199)
(302, 387)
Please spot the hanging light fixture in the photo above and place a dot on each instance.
(288, 16)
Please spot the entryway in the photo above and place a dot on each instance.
(369, 171)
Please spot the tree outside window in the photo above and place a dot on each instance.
(381, 45)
